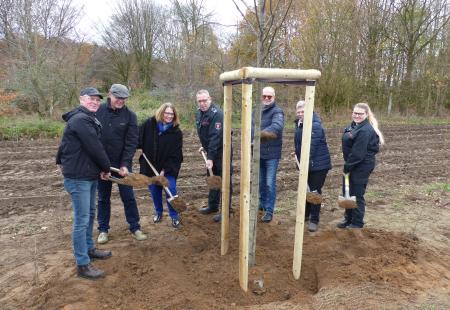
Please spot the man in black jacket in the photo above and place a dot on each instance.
(81, 159)
(209, 123)
(119, 138)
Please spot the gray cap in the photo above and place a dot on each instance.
(90, 91)
(119, 91)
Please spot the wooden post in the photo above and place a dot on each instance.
(246, 123)
(303, 181)
(226, 168)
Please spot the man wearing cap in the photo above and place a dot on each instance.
(119, 138)
(82, 159)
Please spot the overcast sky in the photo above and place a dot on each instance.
(98, 11)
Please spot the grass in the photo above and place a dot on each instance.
(438, 187)
(13, 128)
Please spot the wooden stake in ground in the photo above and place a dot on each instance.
(303, 182)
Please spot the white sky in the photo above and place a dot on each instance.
(97, 12)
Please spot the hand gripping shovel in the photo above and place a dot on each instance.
(312, 197)
(177, 203)
(347, 202)
(132, 179)
(213, 181)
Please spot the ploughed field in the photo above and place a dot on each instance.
(400, 259)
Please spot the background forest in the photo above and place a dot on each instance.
(393, 54)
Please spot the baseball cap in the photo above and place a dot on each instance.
(119, 91)
(90, 91)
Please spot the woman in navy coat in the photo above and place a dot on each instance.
(360, 143)
(319, 161)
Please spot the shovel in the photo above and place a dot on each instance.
(132, 179)
(177, 203)
(347, 202)
(213, 181)
(312, 197)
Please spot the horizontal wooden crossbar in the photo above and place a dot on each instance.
(273, 74)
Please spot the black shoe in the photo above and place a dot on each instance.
(89, 272)
(218, 217)
(176, 223)
(267, 217)
(99, 254)
(353, 226)
(157, 218)
(343, 224)
(208, 210)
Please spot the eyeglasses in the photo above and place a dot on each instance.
(358, 113)
(169, 113)
(267, 97)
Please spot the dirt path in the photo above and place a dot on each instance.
(400, 260)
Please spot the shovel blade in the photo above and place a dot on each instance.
(347, 202)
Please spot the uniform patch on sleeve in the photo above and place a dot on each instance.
(218, 126)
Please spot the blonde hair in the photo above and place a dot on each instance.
(159, 114)
(372, 120)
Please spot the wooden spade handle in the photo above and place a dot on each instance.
(206, 161)
(156, 173)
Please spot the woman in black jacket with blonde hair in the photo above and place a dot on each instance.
(360, 143)
(161, 140)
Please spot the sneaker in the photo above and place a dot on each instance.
(176, 223)
(157, 218)
(102, 237)
(89, 272)
(139, 235)
(343, 224)
(312, 227)
(266, 218)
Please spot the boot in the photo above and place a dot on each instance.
(343, 224)
(99, 254)
(208, 210)
(89, 272)
(218, 217)
(266, 218)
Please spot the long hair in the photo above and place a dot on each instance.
(159, 114)
(372, 120)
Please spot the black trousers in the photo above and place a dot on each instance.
(356, 216)
(316, 179)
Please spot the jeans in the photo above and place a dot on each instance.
(316, 179)
(82, 194)
(156, 192)
(356, 216)
(104, 206)
(268, 184)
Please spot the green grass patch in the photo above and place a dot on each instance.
(438, 187)
(29, 127)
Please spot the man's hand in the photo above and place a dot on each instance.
(161, 173)
(123, 171)
(267, 136)
(201, 149)
(105, 175)
(209, 164)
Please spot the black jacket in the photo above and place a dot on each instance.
(360, 144)
(81, 153)
(319, 156)
(210, 131)
(163, 150)
(119, 134)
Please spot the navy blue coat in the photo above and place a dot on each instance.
(81, 153)
(119, 134)
(319, 155)
(360, 144)
(210, 131)
(272, 120)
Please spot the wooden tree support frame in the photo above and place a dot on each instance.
(247, 76)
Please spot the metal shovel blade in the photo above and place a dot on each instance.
(347, 201)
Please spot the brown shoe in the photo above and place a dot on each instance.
(99, 254)
(89, 272)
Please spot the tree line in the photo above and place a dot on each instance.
(393, 54)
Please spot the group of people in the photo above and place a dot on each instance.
(99, 136)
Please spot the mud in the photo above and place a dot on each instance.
(401, 259)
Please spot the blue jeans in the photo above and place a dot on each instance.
(104, 206)
(156, 192)
(268, 184)
(83, 204)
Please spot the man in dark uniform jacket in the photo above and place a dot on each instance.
(82, 160)
(209, 123)
(120, 138)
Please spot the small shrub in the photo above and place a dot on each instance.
(29, 127)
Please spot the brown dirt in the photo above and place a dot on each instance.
(401, 259)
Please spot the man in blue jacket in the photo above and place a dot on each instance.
(120, 136)
(82, 159)
(272, 124)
